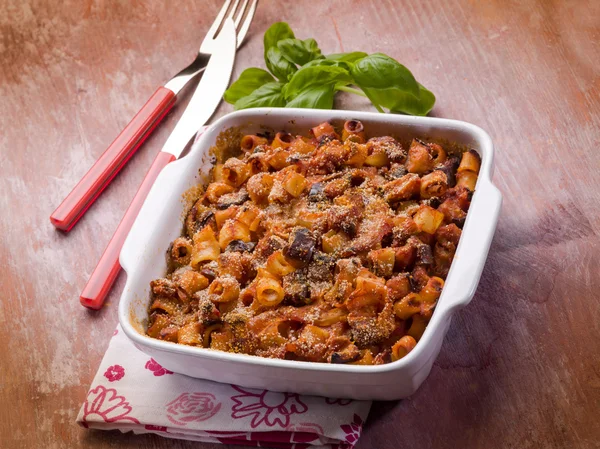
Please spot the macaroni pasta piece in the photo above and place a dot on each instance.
(330, 248)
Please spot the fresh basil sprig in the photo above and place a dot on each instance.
(302, 77)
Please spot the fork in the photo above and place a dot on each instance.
(145, 121)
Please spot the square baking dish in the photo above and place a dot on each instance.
(160, 222)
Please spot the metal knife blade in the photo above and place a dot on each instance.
(208, 93)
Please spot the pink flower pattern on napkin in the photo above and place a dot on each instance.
(353, 430)
(210, 412)
(105, 403)
(156, 368)
(114, 372)
(192, 407)
(266, 407)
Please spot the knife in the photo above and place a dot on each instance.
(201, 107)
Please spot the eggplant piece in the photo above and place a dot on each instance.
(424, 252)
(349, 354)
(449, 167)
(396, 171)
(414, 284)
(324, 139)
(190, 221)
(210, 270)
(208, 314)
(267, 246)
(316, 193)
(208, 273)
(301, 245)
(233, 199)
(321, 267)
(163, 287)
(240, 246)
(383, 358)
(460, 222)
(296, 289)
(434, 202)
(387, 239)
(198, 217)
(424, 255)
(206, 218)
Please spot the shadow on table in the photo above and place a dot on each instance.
(466, 386)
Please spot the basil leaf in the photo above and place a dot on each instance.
(422, 106)
(316, 97)
(268, 95)
(379, 71)
(341, 60)
(328, 63)
(299, 52)
(347, 57)
(278, 65)
(277, 32)
(308, 77)
(388, 83)
(398, 101)
(249, 80)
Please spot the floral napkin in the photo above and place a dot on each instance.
(132, 392)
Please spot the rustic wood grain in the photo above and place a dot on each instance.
(520, 366)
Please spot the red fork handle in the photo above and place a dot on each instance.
(108, 267)
(113, 160)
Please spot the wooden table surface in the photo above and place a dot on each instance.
(520, 366)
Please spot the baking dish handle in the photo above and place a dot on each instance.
(473, 248)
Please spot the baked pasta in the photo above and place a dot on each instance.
(329, 248)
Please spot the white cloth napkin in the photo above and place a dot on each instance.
(132, 392)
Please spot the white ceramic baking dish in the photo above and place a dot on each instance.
(160, 222)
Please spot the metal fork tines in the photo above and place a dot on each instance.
(242, 17)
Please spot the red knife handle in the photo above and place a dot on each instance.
(108, 267)
(112, 160)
